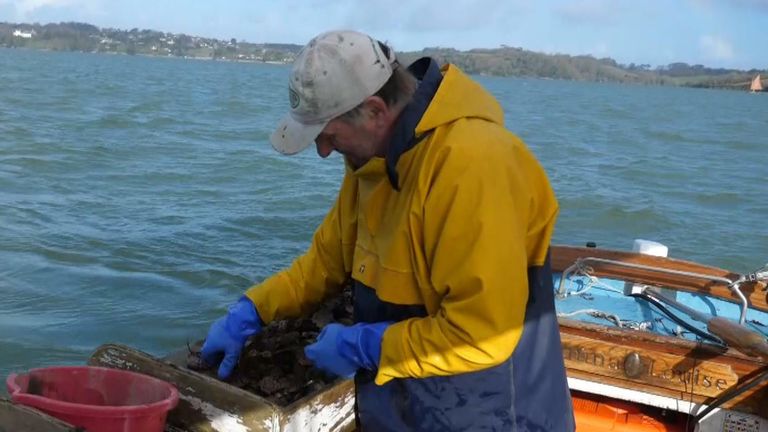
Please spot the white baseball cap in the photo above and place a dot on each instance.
(332, 74)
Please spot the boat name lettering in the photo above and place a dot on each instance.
(649, 368)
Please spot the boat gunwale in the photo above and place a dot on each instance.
(754, 291)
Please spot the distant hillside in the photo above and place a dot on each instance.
(504, 61)
(89, 38)
(507, 61)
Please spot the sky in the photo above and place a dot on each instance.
(715, 33)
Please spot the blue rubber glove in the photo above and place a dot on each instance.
(325, 354)
(228, 334)
(342, 350)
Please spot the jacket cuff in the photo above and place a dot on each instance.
(392, 358)
(269, 298)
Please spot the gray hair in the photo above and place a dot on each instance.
(397, 90)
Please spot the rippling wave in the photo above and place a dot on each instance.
(139, 196)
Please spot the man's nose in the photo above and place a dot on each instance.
(324, 148)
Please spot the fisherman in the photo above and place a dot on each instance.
(443, 224)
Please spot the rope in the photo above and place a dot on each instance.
(593, 282)
(671, 315)
(759, 275)
(595, 313)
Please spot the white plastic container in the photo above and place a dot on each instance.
(650, 247)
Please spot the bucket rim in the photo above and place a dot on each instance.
(164, 405)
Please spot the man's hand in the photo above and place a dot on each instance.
(342, 350)
(228, 334)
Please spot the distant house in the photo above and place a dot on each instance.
(23, 35)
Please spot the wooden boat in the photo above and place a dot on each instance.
(650, 344)
(628, 335)
(756, 85)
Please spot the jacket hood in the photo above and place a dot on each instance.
(459, 97)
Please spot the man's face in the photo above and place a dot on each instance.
(361, 138)
(355, 139)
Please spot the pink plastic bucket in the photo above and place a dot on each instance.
(95, 398)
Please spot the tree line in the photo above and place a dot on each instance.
(503, 61)
(72, 36)
(508, 61)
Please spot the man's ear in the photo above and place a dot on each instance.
(377, 109)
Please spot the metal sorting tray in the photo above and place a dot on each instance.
(209, 405)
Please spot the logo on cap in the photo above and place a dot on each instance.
(293, 97)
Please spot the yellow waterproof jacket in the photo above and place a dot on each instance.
(474, 211)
